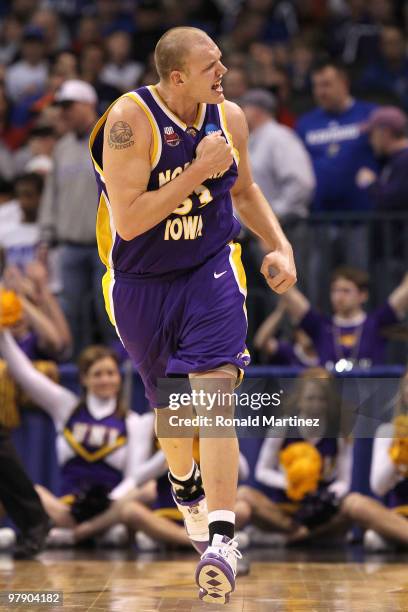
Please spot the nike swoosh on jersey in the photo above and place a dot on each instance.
(220, 274)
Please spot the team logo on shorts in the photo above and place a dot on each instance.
(171, 137)
(210, 128)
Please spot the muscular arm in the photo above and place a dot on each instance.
(255, 211)
(127, 167)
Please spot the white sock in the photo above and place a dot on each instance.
(221, 515)
(186, 476)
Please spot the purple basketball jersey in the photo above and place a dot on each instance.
(200, 226)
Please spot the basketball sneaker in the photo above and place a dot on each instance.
(190, 500)
(217, 569)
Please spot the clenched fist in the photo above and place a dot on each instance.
(279, 269)
(214, 154)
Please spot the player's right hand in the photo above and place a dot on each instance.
(214, 154)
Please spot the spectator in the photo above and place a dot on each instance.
(10, 211)
(338, 148)
(350, 337)
(388, 75)
(92, 62)
(235, 83)
(68, 216)
(66, 65)
(120, 71)
(282, 169)
(332, 134)
(56, 36)
(387, 129)
(29, 75)
(36, 156)
(21, 241)
(88, 33)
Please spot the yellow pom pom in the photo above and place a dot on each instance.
(11, 310)
(399, 449)
(303, 465)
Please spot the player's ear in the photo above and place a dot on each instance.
(176, 77)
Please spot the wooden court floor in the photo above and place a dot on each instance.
(123, 584)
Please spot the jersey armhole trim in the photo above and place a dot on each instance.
(157, 141)
(224, 125)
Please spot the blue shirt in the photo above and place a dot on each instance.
(338, 149)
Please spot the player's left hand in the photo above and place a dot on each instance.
(279, 269)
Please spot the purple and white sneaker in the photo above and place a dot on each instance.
(195, 515)
(217, 569)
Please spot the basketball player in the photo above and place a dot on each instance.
(167, 160)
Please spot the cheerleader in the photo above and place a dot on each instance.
(389, 474)
(101, 448)
(305, 480)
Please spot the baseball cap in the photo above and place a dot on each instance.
(261, 98)
(75, 90)
(390, 117)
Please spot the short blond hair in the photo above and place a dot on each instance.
(173, 48)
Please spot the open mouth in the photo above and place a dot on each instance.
(217, 86)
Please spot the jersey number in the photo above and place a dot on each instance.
(204, 195)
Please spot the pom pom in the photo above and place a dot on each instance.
(399, 448)
(303, 465)
(11, 310)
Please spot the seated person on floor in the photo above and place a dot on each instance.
(304, 478)
(389, 467)
(97, 442)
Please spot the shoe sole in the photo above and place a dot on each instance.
(215, 580)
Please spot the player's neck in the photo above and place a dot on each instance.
(185, 109)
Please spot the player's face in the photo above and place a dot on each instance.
(203, 79)
(346, 297)
(103, 378)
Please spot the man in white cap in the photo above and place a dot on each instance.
(68, 214)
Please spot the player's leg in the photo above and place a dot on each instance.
(373, 515)
(184, 475)
(219, 461)
(219, 449)
(176, 442)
